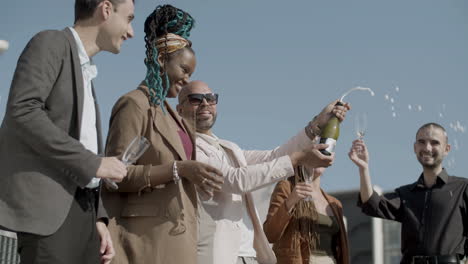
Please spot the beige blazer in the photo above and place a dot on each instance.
(148, 224)
(252, 170)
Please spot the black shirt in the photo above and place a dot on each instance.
(434, 220)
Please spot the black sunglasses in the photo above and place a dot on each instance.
(197, 99)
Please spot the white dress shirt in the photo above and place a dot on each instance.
(88, 131)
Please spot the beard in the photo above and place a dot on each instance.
(206, 124)
(436, 161)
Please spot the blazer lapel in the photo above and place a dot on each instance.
(77, 79)
(165, 126)
(261, 245)
(239, 158)
(332, 205)
(343, 250)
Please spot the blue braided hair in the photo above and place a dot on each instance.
(163, 20)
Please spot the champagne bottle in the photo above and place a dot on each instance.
(330, 134)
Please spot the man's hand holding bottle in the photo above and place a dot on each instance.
(335, 108)
(312, 157)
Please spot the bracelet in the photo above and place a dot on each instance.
(312, 130)
(175, 174)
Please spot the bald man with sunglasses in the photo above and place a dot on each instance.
(237, 235)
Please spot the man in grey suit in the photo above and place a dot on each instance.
(50, 140)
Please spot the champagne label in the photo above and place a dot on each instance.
(331, 144)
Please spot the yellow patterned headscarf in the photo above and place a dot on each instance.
(170, 43)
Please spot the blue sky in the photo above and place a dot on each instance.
(276, 64)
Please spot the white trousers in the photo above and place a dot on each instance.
(321, 260)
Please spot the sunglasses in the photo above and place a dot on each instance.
(197, 99)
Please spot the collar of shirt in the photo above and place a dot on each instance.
(441, 179)
(210, 139)
(89, 69)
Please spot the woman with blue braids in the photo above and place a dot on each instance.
(153, 214)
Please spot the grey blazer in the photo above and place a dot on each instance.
(41, 159)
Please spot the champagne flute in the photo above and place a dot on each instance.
(134, 150)
(360, 125)
(308, 176)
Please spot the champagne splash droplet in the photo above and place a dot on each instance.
(409, 107)
(394, 114)
(357, 88)
(419, 108)
(455, 144)
(391, 100)
(387, 97)
(458, 127)
(397, 89)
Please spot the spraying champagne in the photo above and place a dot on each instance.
(331, 131)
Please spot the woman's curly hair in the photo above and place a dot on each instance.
(163, 20)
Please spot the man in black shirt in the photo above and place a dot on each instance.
(433, 210)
